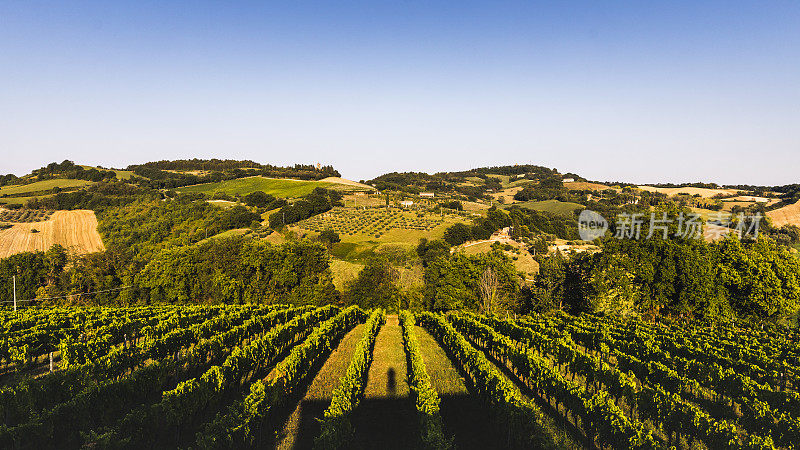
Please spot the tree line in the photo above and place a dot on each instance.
(682, 277)
(524, 223)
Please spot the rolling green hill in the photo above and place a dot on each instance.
(279, 187)
(19, 194)
(43, 186)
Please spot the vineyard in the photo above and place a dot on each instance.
(229, 377)
(373, 221)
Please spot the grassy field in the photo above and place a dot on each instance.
(121, 174)
(124, 174)
(279, 187)
(228, 234)
(284, 188)
(343, 272)
(43, 186)
(706, 214)
(552, 206)
(21, 200)
(75, 230)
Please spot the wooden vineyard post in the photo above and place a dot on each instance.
(51, 361)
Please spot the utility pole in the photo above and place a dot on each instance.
(15, 293)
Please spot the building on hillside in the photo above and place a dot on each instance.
(406, 203)
(568, 180)
(427, 194)
(503, 233)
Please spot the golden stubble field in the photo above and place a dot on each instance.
(702, 192)
(75, 230)
(788, 215)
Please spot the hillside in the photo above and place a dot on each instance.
(279, 187)
(19, 194)
(345, 182)
(787, 215)
(552, 206)
(702, 192)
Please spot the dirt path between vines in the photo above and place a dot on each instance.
(386, 418)
(302, 426)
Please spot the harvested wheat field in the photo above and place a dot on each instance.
(586, 186)
(346, 182)
(788, 215)
(75, 230)
(702, 192)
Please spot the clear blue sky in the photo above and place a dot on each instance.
(641, 91)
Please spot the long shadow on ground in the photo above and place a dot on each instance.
(391, 423)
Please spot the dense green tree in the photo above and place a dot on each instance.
(688, 278)
(458, 233)
(430, 250)
(376, 286)
(239, 270)
(453, 282)
(329, 237)
(259, 199)
(319, 201)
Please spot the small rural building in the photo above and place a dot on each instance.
(504, 232)
(568, 180)
(406, 203)
(427, 194)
